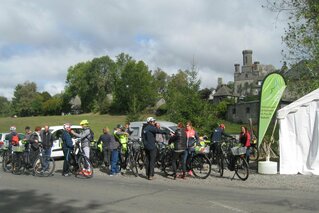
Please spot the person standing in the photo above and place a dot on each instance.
(192, 139)
(111, 148)
(67, 147)
(244, 139)
(13, 137)
(149, 135)
(179, 139)
(86, 136)
(34, 140)
(104, 139)
(216, 137)
(47, 143)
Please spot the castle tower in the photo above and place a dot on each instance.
(247, 57)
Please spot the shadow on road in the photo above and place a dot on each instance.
(29, 201)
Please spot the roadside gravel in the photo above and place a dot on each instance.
(306, 183)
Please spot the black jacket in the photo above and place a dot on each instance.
(47, 139)
(179, 139)
(108, 141)
(149, 135)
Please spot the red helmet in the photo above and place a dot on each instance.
(222, 126)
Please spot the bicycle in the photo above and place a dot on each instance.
(6, 157)
(234, 157)
(198, 163)
(96, 154)
(20, 160)
(131, 160)
(39, 167)
(79, 164)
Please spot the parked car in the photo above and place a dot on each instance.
(57, 139)
(137, 128)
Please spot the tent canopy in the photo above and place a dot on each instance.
(299, 134)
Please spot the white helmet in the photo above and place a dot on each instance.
(13, 128)
(150, 119)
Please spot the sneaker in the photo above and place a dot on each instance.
(66, 175)
(111, 175)
(87, 173)
(151, 178)
(190, 173)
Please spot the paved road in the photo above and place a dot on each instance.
(129, 194)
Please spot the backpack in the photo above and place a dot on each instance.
(15, 140)
(90, 137)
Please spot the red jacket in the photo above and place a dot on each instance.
(244, 139)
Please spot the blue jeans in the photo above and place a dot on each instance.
(114, 159)
(46, 154)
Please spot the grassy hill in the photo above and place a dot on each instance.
(97, 122)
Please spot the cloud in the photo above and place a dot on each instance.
(41, 39)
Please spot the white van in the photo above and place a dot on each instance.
(57, 139)
(138, 126)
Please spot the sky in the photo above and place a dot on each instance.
(41, 39)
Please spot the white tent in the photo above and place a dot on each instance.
(299, 135)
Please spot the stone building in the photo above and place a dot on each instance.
(248, 79)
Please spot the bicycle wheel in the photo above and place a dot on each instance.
(201, 166)
(140, 159)
(221, 165)
(94, 158)
(253, 153)
(167, 164)
(241, 168)
(7, 161)
(85, 167)
(38, 169)
(133, 164)
(17, 167)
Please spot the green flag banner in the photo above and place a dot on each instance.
(272, 89)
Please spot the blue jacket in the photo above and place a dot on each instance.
(67, 140)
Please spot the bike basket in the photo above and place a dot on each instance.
(18, 148)
(238, 150)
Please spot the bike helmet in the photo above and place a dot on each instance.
(13, 128)
(84, 122)
(150, 119)
(119, 126)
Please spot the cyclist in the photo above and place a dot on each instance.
(47, 142)
(244, 139)
(13, 137)
(216, 137)
(26, 139)
(179, 139)
(122, 137)
(104, 139)
(149, 134)
(192, 138)
(85, 141)
(34, 141)
(110, 150)
(67, 147)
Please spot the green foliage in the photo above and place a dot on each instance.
(134, 89)
(26, 99)
(53, 106)
(5, 107)
(302, 38)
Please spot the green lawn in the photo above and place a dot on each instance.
(97, 122)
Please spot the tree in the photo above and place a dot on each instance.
(160, 81)
(205, 93)
(134, 88)
(26, 99)
(301, 36)
(92, 81)
(5, 107)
